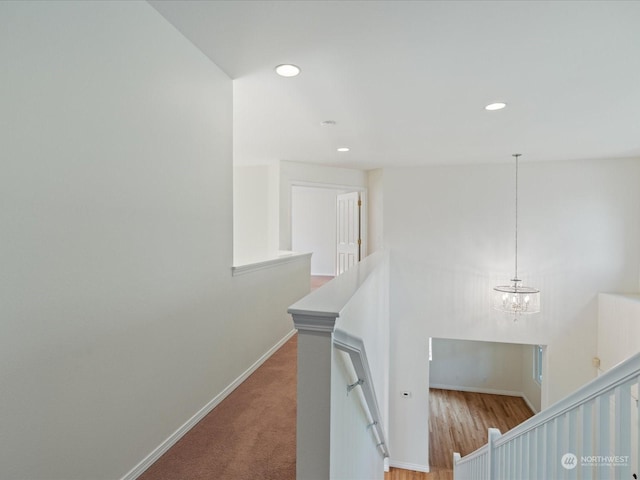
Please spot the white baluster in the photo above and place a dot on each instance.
(572, 441)
(525, 456)
(513, 454)
(549, 430)
(540, 449)
(456, 469)
(504, 451)
(473, 470)
(637, 425)
(560, 447)
(517, 445)
(521, 457)
(623, 429)
(493, 435)
(485, 465)
(603, 425)
(588, 446)
(534, 461)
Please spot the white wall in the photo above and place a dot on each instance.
(255, 212)
(619, 339)
(302, 174)
(487, 367)
(119, 312)
(476, 366)
(375, 179)
(618, 328)
(313, 226)
(450, 233)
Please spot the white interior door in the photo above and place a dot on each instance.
(348, 231)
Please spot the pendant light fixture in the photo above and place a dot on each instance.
(516, 299)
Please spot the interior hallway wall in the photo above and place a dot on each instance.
(255, 212)
(375, 179)
(120, 316)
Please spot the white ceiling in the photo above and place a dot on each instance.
(407, 81)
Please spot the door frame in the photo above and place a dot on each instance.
(364, 216)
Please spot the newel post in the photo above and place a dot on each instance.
(456, 459)
(313, 442)
(494, 434)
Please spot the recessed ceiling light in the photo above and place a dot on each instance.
(495, 106)
(343, 149)
(287, 70)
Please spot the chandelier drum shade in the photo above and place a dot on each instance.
(516, 299)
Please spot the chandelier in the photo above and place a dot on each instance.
(516, 299)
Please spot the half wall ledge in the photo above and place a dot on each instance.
(280, 258)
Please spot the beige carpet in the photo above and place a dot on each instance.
(250, 435)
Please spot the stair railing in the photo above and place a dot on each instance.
(354, 346)
(334, 431)
(591, 434)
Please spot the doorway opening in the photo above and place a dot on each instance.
(329, 222)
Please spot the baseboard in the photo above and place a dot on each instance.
(139, 469)
(409, 466)
(529, 404)
(490, 391)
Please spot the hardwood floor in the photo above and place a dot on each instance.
(458, 422)
(400, 474)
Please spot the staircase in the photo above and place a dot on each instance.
(591, 434)
(343, 398)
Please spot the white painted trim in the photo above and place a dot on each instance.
(271, 262)
(364, 215)
(140, 468)
(323, 323)
(328, 186)
(330, 299)
(490, 391)
(529, 404)
(409, 466)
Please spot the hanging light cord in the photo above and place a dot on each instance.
(517, 155)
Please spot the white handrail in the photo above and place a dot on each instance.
(572, 437)
(356, 301)
(354, 346)
(618, 375)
